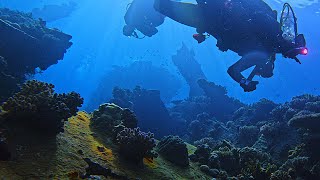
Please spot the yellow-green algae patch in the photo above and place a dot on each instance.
(78, 142)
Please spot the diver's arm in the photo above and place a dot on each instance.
(184, 13)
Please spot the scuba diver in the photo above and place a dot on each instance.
(142, 16)
(247, 27)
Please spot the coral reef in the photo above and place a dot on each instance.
(39, 47)
(110, 119)
(135, 145)
(202, 154)
(310, 122)
(248, 135)
(79, 154)
(262, 126)
(265, 124)
(37, 107)
(225, 160)
(261, 143)
(174, 150)
(190, 69)
(269, 147)
(305, 104)
(219, 108)
(257, 112)
(311, 133)
(204, 127)
(115, 125)
(124, 97)
(33, 117)
(207, 116)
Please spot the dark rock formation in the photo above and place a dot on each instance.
(190, 69)
(96, 169)
(174, 149)
(5, 154)
(124, 97)
(149, 108)
(152, 113)
(26, 44)
(212, 90)
(217, 94)
(139, 73)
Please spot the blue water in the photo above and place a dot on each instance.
(96, 27)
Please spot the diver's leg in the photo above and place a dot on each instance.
(184, 13)
(247, 61)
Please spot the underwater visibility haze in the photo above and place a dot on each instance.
(160, 89)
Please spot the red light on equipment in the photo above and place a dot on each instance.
(305, 51)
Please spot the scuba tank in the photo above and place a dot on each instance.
(289, 27)
(126, 28)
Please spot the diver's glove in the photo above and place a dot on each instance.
(248, 85)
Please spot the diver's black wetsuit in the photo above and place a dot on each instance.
(142, 16)
(247, 27)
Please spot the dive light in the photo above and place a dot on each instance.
(296, 51)
(304, 51)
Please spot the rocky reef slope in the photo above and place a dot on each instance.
(77, 146)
